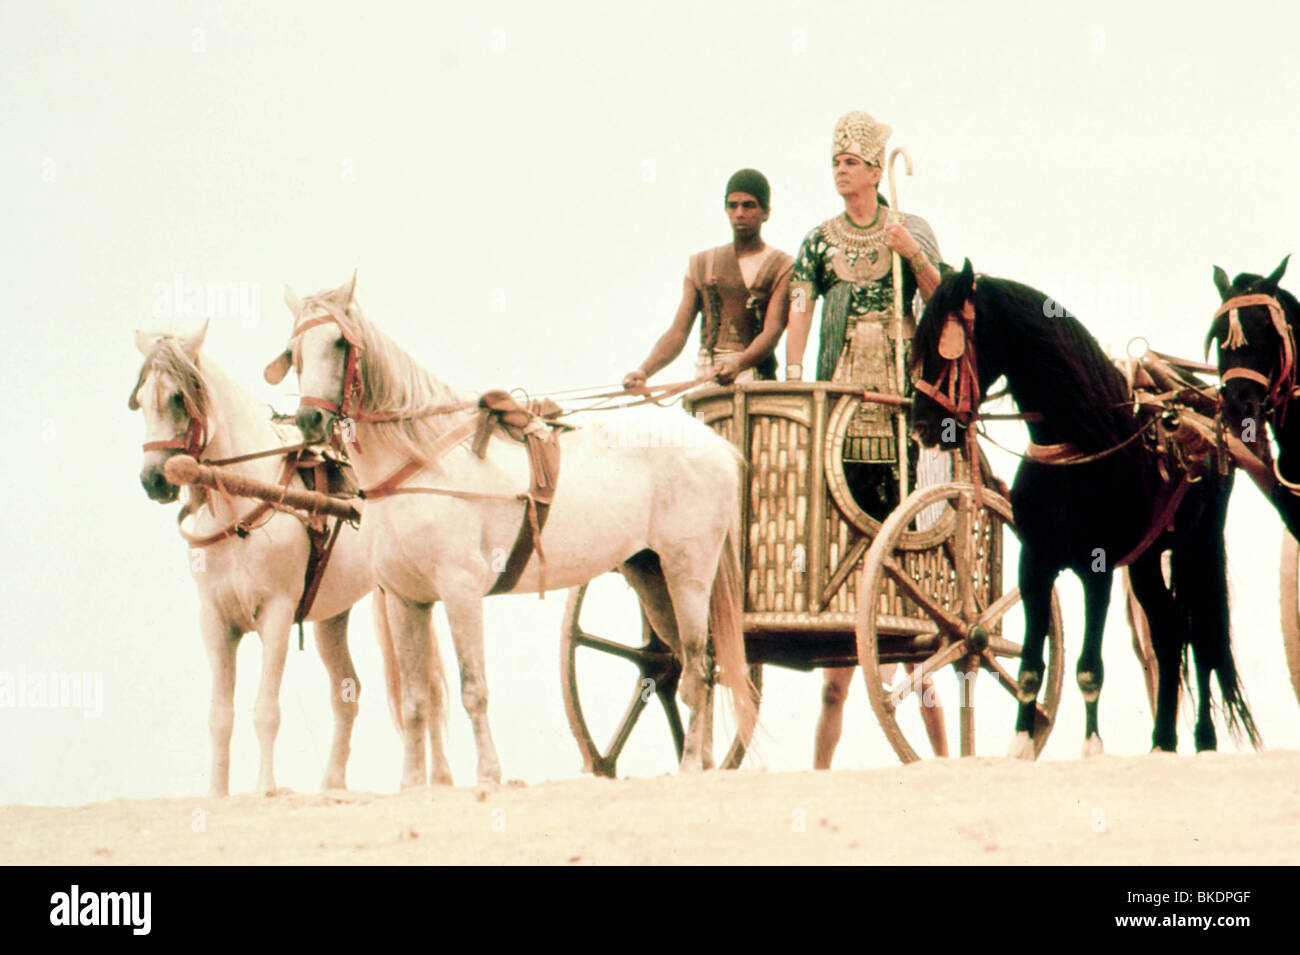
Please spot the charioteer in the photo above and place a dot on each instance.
(741, 288)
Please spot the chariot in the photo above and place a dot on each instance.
(826, 584)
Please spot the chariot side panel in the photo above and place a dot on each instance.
(805, 533)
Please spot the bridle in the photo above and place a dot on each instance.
(1279, 389)
(349, 404)
(960, 371)
(348, 409)
(193, 442)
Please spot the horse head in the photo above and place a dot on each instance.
(1256, 345)
(324, 350)
(170, 393)
(950, 381)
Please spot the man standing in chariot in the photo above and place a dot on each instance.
(846, 261)
(741, 288)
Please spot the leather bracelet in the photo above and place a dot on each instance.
(922, 264)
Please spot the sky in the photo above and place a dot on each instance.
(519, 187)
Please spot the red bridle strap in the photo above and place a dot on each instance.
(194, 443)
(962, 397)
(961, 374)
(350, 399)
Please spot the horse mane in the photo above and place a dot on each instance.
(1053, 365)
(392, 382)
(169, 358)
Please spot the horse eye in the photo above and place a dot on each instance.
(177, 401)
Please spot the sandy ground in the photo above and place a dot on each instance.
(1189, 810)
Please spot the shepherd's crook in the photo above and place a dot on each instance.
(896, 216)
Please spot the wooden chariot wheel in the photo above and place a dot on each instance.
(964, 629)
(609, 681)
(1290, 594)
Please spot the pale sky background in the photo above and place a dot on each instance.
(520, 186)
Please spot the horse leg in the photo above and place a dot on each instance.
(410, 625)
(440, 770)
(1090, 671)
(1158, 605)
(465, 614)
(645, 576)
(690, 600)
(1036, 580)
(221, 640)
(274, 626)
(344, 691)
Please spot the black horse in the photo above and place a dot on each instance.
(1257, 368)
(1089, 496)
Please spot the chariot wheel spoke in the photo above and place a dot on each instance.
(639, 655)
(949, 654)
(1002, 647)
(949, 621)
(1004, 677)
(624, 730)
(990, 617)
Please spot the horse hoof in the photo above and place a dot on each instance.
(1030, 683)
(1092, 746)
(1022, 747)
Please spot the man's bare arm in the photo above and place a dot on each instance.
(799, 323)
(670, 344)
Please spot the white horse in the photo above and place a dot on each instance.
(650, 491)
(253, 577)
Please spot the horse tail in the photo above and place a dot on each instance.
(726, 626)
(1140, 627)
(392, 676)
(1200, 585)
(1235, 707)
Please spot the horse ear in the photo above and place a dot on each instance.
(1222, 284)
(345, 291)
(1278, 272)
(294, 303)
(190, 344)
(274, 373)
(968, 276)
(144, 341)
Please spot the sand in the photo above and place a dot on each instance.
(1212, 809)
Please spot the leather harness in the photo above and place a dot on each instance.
(961, 398)
(533, 425)
(313, 473)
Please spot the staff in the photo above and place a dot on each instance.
(896, 217)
